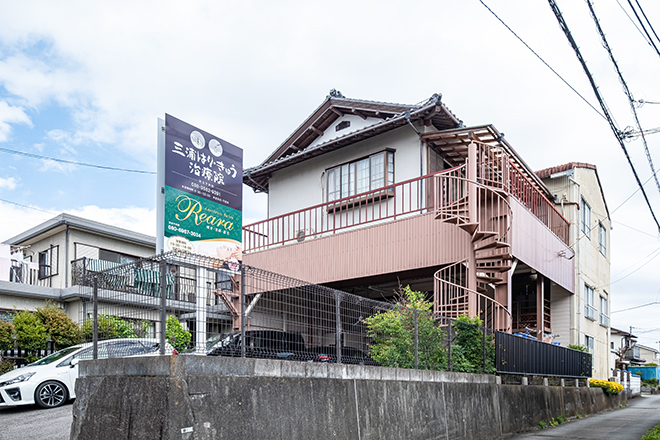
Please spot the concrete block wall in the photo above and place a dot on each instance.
(191, 397)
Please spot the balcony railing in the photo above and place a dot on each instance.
(590, 312)
(411, 197)
(24, 272)
(604, 320)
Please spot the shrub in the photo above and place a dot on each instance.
(6, 366)
(607, 386)
(61, 329)
(30, 332)
(109, 327)
(650, 383)
(176, 334)
(650, 364)
(393, 333)
(6, 335)
(468, 347)
(578, 347)
(652, 434)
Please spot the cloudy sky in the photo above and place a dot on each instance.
(86, 82)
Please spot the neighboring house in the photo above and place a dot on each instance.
(44, 259)
(618, 339)
(650, 355)
(584, 318)
(368, 196)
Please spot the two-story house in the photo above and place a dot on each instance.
(368, 196)
(583, 318)
(43, 259)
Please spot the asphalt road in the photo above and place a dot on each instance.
(32, 423)
(629, 423)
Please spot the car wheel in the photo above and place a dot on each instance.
(50, 394)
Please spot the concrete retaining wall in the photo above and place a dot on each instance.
(190, 397)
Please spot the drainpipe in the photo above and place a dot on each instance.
(66, 257)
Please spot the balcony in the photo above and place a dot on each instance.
(27, 272)
(404, 199)
(590, 312)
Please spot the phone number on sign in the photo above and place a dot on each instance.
(184, 231)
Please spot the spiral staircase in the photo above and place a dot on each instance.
(473, 197)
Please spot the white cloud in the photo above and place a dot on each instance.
(8, 183)
(11, 115)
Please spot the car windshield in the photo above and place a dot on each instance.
(56, 356)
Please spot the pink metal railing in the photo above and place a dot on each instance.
(391, 202)
(414, 196)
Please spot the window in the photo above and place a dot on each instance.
(48, 260)
(369, 173)
(602, 239)
(585, 219)
(342, 125)
(612, 345)
(116, 257)
(589, 343)
(589, 309)
(604, 315)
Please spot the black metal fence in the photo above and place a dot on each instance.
(200, 305)
(524, 356)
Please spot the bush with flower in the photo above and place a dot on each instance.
(606, 385)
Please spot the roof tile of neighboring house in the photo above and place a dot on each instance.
(546, 173)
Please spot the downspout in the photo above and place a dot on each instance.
(66, 257)
(577, 254)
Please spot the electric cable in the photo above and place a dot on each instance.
(643, 27)
(647, 20)
(615, 130)
(542, 60)
(634, 24)
(626, 90)
(37, 156)
(26, 206)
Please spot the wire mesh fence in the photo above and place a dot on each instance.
(195, 304)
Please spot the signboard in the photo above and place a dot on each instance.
(200, 178)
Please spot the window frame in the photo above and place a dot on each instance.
(349, 171)
(589, 343)
(602, 239)
(589, 308)
(50, 268)
(585, 218)
(604, 315)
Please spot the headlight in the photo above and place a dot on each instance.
(17, 379)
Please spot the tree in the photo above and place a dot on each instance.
(176, 334)
(393, 334)
(59, 327)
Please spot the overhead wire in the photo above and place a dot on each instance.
(634, 24)
(26, 206)
(617, 133)
(72, 162)
(644, 27)
(542, 60)
(626, 90)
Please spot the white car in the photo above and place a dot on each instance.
(50, 381)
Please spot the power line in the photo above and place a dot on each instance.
(634, 24)
(37, 156)
(615, 130)
(542, 60)
(636, 307)
(634, 229)
(626, 90)
(642, 24)
(647, 19)
(26, 206)
(631, 195)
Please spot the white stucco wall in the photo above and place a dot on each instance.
(304, 184)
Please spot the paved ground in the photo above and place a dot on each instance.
(628, 423)
(32, 423)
